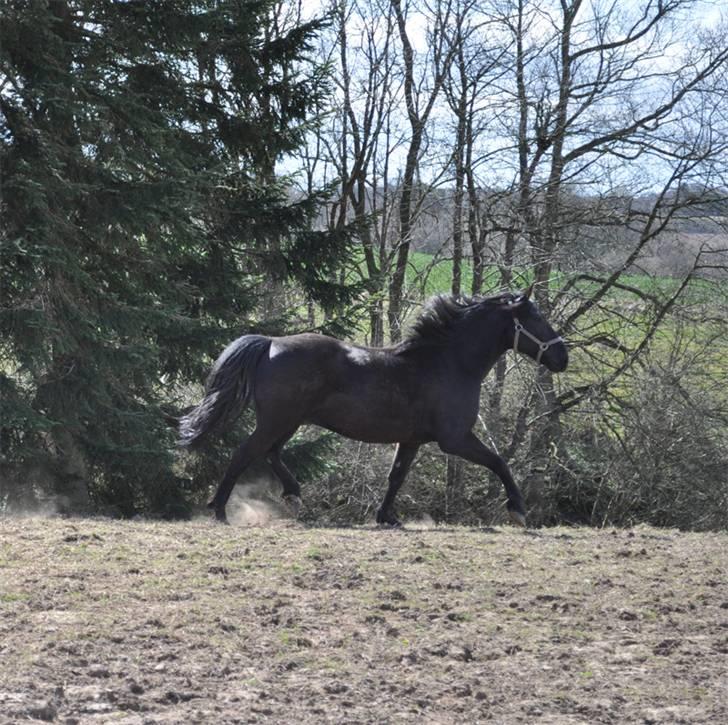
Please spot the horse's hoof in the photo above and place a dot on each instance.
(219, 512)
(293, 503)
(517, 518)
(221, 517)
(389, 521)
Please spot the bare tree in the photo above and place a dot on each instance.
(420, 94)
(601, 116)
(569, 139)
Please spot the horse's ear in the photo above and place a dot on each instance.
(517, 300)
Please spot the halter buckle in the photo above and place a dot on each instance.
(542, 346)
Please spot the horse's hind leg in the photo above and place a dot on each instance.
(255, 447)
(291, 488)
(403, 458)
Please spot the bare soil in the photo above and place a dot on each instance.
(136, 622)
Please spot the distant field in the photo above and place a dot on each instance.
(131, 622)
(434, 275)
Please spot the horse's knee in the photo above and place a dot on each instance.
(499, 467)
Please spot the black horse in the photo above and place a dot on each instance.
(426, 388)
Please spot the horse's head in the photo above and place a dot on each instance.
(532, 335)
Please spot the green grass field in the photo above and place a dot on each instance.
(433, 275)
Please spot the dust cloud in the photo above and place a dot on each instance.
(250, 504)
(424, 523)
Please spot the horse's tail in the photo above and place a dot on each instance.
(228, 391)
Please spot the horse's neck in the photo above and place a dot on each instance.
(477, 360)
(484, 345)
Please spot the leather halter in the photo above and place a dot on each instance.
(542, 346)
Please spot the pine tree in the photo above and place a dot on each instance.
(141, 218)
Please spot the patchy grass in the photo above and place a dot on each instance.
(132, 622)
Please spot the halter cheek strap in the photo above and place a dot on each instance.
(542, 346)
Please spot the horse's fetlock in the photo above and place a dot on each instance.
(293, 503)
(517, 513)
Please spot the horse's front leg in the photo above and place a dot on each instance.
(472, 449)
(403, 458)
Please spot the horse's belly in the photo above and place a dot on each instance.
(373, 423)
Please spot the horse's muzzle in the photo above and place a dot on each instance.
(558, 359)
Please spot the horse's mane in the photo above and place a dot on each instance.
(442, 315)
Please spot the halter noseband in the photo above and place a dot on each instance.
(542, 346)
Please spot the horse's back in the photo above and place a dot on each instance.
(308, 356)
(302, 368)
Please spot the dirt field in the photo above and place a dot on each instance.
(132, 622)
